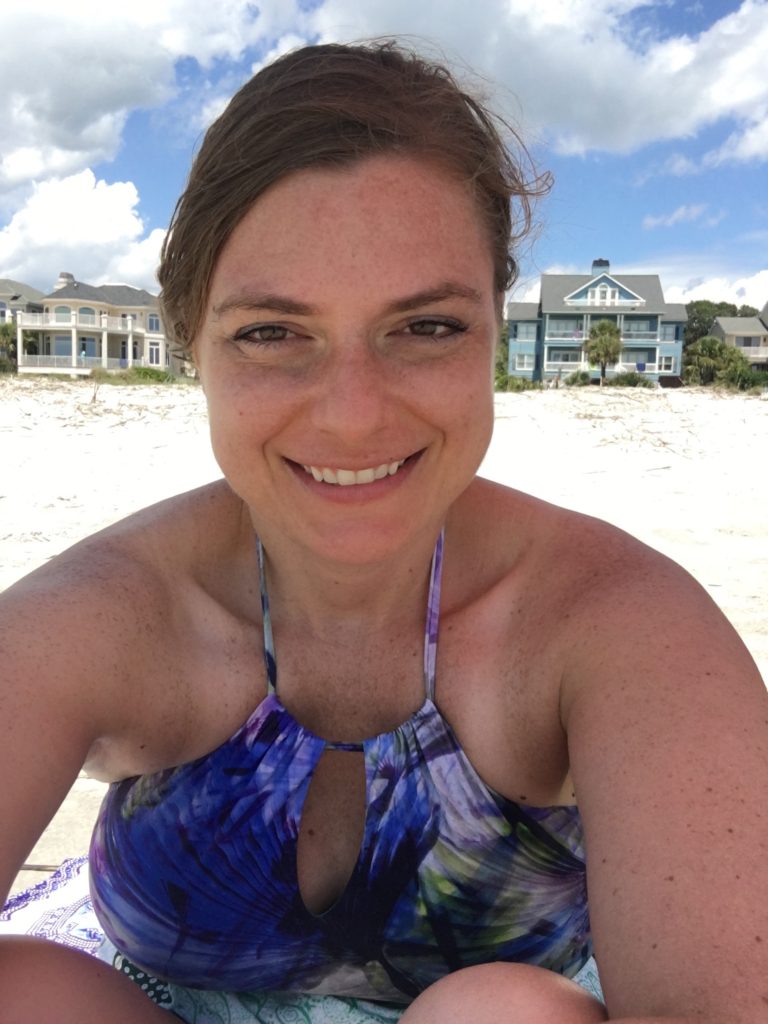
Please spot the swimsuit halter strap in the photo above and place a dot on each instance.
(430, 628)
(269, 644)
(433, 617)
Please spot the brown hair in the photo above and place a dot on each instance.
(328, 106)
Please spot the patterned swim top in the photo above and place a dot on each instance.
(194, 878)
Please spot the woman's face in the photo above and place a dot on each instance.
(346, 353)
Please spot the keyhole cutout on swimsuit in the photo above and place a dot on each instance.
(331, 829)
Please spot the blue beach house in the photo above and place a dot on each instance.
(546, 338)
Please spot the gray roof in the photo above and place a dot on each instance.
(522, 311)
(114, 294)
(676, 311)
(10, 287)
(555, 287)
(743, 325)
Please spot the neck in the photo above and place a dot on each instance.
(329, 597)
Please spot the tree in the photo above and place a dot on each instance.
(501, 369)
(603, 347)
(711, 361)
(8, 345)
(702, 313)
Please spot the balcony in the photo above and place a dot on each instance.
(629, 335)
(80, 321)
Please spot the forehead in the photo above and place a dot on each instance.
(378, 223)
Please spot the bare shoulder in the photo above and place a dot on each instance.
(666, 721)
(95, 625)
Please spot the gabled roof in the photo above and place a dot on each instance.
(555, 288)
(746, 326)
(607, 279)
(522, 311)
(112, 294)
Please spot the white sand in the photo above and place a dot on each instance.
(682, 470)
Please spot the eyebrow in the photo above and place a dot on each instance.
(283, 304)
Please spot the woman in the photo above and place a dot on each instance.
(311, 795)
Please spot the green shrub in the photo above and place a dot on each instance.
(7, 365)
(132, 375)
(631, 379)
(579, 379)
(522, 384)
(744, 378)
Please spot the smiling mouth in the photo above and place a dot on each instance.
(356, 477)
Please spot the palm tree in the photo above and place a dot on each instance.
(603, 347)
(705, 359)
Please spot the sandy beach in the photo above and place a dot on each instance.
(682, 470)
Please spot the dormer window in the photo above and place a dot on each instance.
(603, 296)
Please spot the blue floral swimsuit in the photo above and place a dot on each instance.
(193, 869)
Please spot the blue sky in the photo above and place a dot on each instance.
(652, 116)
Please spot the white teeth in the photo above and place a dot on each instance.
(347, 477)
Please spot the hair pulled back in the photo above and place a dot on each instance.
(328, 106)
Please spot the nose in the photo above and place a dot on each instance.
(353, 398)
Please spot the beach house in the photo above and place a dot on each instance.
(749, 334)
(546, 338)
(81, 326)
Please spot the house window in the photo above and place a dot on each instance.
(564, 355)
(564, 327)
(668, 332)
(636, 326)
(667, 364)
(62, 313)
(154, 353)
(153, 322)
(87, 315)
(638, 355)
(748, 342)
(603, 296)
(524, 361)
(62, 345)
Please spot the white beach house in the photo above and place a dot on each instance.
(83, 326)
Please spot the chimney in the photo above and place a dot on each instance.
(64, 280)
(600, 267)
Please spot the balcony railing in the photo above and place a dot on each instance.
(630, 335)
(82, 363)
(99, 322)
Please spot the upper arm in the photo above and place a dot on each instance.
(667, 723)
(66, 667)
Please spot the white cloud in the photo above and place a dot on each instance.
(72, 72)
(681, 215)
(79, 224)
(583, 73)
(751, 290)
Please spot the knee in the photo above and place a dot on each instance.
(41, 981)
(492, 992)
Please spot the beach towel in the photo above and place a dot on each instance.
(59, 909)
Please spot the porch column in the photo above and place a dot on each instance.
(19, 341)
(74, 338)
(129, 321)
(104, 339)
